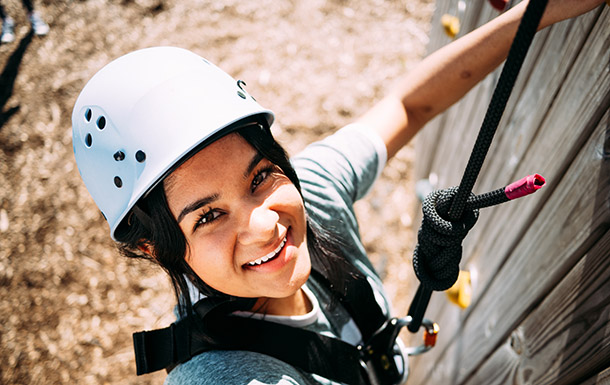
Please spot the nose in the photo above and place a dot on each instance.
(259, 225)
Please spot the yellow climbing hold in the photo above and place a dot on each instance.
(451, 24)
(461, 292)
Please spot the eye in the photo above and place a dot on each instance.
(261, 176)
(207, 217)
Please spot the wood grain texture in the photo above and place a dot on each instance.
(602, 378)
(567, 227)
(574, 62)
(567, 337)
(573, 114)
(576, 97)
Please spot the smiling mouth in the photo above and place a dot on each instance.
(269, 257)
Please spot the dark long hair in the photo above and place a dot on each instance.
(161, 234)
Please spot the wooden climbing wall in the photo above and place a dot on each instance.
(540, 311)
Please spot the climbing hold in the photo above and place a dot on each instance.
(500, 5)
(451, 24)
(461, 292)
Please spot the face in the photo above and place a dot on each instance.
(243, 219)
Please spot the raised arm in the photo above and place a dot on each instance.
(442, 78)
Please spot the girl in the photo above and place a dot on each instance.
(181, 162)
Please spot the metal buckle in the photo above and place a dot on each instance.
(377, 356)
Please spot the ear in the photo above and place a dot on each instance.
(145, 247)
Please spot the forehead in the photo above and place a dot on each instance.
(229, 153)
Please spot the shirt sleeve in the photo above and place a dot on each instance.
(334, 173)
(351, 160)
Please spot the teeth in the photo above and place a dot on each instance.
(268, 256)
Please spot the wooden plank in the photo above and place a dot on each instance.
(559, 51)
(456, 139)
(464, 123)
(481, 252)
(482, 330)
(570, 222)
(429, 137)
(602, 378)
(566, 339)
(437, 36)
(476, 14)
(453, 143)
(425, 146)
(581, 100)
(426, 138)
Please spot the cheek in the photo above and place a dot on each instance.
(210, 259)
(287, 196)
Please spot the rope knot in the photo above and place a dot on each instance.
(437, 256)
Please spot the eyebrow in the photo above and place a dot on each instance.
(209, 199)
(196, 205)
(256, 159)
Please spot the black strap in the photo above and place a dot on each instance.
(312, 352)
(162, 348)
(212, 329)
(358, 299)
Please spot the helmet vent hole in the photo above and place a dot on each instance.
(101, 122)
(118, 182)
(88, 115)
(88, 140)
(119, 156)
(140, 156)
(241, 94)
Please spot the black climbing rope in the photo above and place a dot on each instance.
(449, 214)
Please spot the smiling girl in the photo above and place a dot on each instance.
(181, 161)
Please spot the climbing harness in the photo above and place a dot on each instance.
(212, 327)
(449, 214)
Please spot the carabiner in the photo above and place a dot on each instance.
(431, 330)
(377, 354)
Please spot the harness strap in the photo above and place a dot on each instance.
(165, 348)
(214, 328)
(312, 352)
(359, 301)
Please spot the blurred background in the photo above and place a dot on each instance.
(68, 301)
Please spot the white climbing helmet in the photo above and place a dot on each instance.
(142, 113)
